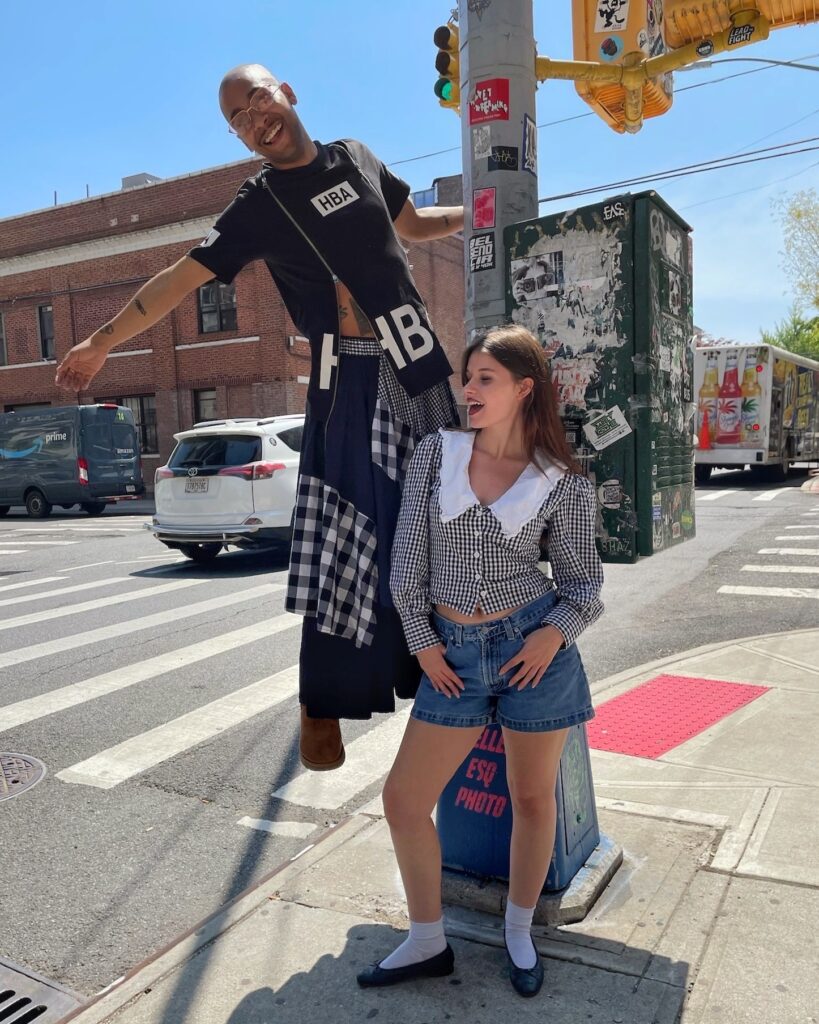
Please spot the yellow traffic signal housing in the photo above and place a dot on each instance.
(688, 21)
(447, 88)
(621, 32)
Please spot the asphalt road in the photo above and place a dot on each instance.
(161, 697)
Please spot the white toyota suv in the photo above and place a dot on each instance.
(229, 482)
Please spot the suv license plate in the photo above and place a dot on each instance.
(196, 486)
(130, 487)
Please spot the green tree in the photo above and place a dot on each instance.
(796, 333)
(800, 225)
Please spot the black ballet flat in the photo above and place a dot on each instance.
(438, 966)
(526, 981)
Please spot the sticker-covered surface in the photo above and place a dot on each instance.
(606, 290)
(481, 252)
(483, 208)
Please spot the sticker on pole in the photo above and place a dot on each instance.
(481, 253)
(483, 208)
(481, 142)
(528, 161)
(490, 101)
(604, 428)
(503, 158)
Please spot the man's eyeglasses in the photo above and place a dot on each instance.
(263, 100)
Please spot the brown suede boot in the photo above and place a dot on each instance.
(320, 746)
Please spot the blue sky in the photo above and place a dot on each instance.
(93, 91)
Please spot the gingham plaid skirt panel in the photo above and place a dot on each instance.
(348, 497)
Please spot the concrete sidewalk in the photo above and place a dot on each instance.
(710, 918)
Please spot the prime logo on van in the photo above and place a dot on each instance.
(22, 453)
(56, 437)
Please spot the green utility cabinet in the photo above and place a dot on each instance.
(607, 290)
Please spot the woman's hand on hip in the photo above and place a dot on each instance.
(536, 655)
(434, 664)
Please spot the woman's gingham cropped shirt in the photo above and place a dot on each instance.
(451, 550)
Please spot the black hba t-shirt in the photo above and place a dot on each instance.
(344, 202)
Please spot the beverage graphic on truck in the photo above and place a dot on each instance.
(757, 406)
(68, 455)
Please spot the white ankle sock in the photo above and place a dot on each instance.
(518, 935)
(424, 941)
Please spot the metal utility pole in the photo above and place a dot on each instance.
(499, 140)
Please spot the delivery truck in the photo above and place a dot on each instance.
(69, 455)
(757, 407)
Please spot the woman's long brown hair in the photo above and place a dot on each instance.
(518, 351)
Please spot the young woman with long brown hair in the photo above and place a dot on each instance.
(493, 635)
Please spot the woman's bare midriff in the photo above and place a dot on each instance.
(478, 616)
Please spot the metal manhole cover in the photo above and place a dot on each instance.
(19, 772)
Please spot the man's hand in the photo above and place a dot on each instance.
(443, 679)
(80, 366)
(539, 648)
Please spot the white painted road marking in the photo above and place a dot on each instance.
(771, 591)
(40, 543)
(120, 678)
(101, 602)
(368, 759)
(93, 636)
(781, 568)
(33, 583)
(770, 495)
(798, 536)
(788, 551)
(713, 496)
(113, 766)
(65, 590)
(289, 829)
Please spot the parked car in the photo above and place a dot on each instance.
(229, 482)
(68, 455)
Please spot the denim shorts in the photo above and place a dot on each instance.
(476, 653)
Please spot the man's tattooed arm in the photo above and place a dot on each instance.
(107, 329)
(140, 307)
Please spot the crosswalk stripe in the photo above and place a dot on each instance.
(32, 708)
(88, 565)
(798, 536)
(788, 551)
(4, 552)
(713, 496)
(32, 583)
(781, 568)
(803, 526)
(60, 591)
(93, 636)
(770, 495)
(290, 829)
(771, 591)
(37, 543)
(101, 602)
(368, 758)
(111, 767)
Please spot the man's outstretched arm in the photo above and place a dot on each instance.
(429, 222)
(155, 299)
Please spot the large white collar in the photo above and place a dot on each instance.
(514, 508)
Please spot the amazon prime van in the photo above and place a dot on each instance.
(68, 455)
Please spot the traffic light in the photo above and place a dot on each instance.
(447, 88)
(615, 32)
(689, 21)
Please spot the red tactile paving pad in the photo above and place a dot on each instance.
(658, 715)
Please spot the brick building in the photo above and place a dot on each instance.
(225, 351)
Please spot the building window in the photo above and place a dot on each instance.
(45, 320)
(204, 405)
(143, 408)
(217, 307)
(4, 356)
